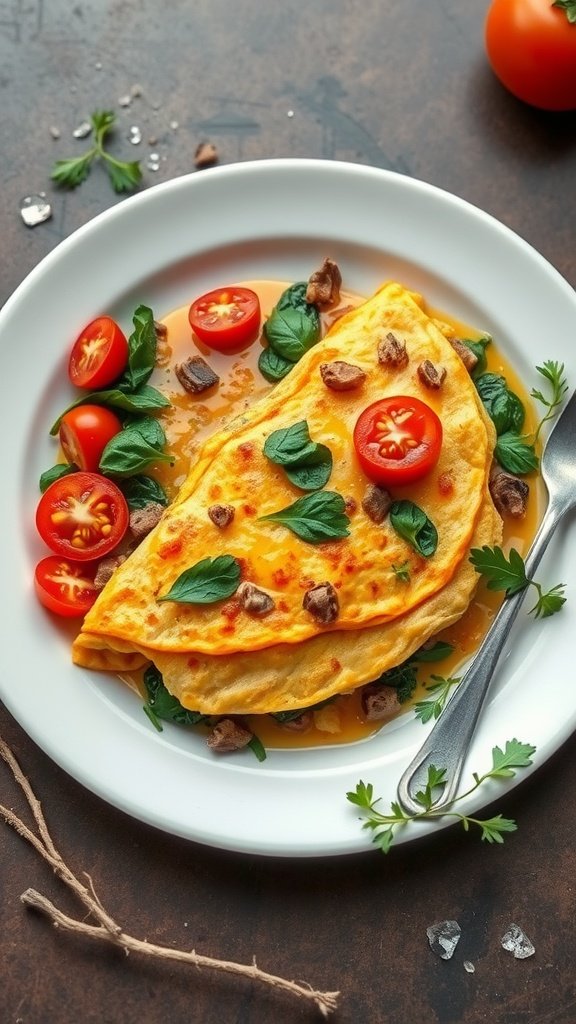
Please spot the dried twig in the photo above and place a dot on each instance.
(107, 929)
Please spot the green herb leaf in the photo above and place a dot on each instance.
(503, 406)
(257, 748)
(550, 603)
(552, 372)
(307, 464)
(478, 348)
(291, 333)
(272, 366)
(141, 350)
(436, 652)
(315, 518)
(140, 490)
(208, 581)
(72, 172)
(515, 454)
(431, 708)
(148, 428)
(494, 829)
(294, 297)
(55, 473)
(501, 573)
(128, 453)
(402, 572)
(160, 704)
(569, 8)
(144, 399)
(515, 755)
(411, 523)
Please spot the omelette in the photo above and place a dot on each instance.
(219, 658)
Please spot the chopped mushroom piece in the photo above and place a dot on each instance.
(509, 493)
(221, 515)
(195, 375)
(324, 285)
(228, 735)
(206, 155)
(392, 352)
(106, 569)
(430, 375)
(466, 354)
(253, 600)
(342, 376)
(379, 702)
(143, 520)
(321, 602)
(376, 503)
(299, 724)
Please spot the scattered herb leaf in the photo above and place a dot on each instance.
(160, 704)
(315, 518)
(430, 708)
(71, 172)
(515, 453)
(54, 473)
(503, 406)
(509, 575)
(553, 372)
(257, 748)
(142, 345)
(143, 399)
(478, 347)
(210, 580)
(291, 332)
(129, 452)
(402, 572)
(272, 366)
(411, 523)
(140, 490)
(307, 464)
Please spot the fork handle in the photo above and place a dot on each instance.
(448, 742)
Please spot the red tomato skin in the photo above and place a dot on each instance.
(99, 355)
(531, 47)
(61, 529)
(425, 428)
(65, 587)
(84, 433)
(221, 331)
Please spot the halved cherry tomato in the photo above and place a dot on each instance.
(398, 440)
(99, 354)
(82, 516)
(65, 587)
(226, 318)
(85, 432)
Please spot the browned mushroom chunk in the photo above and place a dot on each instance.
(392, 352)
(379, 702)
(321, 602)
(324, 285)
(221, 515)
(228, 735)
(143, 520)
(466, 354)
(106, 569)
(195, 375)
(342, 376)
(509, 493)
(430, 375)
(376, 503)
(298, 724)
(253, 600)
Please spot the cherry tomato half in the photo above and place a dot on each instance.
(99, 354)
(397, 440)
(84, 434)
(82, 516)
(227, 318)
(65, 587)
(531, 46)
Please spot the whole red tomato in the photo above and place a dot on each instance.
(531, 45)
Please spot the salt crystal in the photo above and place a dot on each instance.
(134, 135)
(98, 65)
(174, 125)
(83, 130)
(443, 937)
(517, 942)
(468, 967)
(153, 162)
(289, 113)
(35, 209)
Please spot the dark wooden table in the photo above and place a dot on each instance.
(397, 85)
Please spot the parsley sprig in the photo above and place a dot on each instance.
(509, 575)
(553, 372)
(124, 176)
(384, 827)
(432, 707)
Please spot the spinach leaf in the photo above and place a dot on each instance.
(141, 350)
(272, 366)
(148, 428)
(514, 454)
(441, 649)
(128, 453)
(143, 399)
(315, 518)
(209, 580)
(294, 297)
(503, 406)
(291, 332)
(411, 523)
(161, 704)
(54, 473)
(402, 677)
(478, 347)
(307, 463)
(140, 490)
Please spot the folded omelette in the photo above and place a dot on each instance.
(218, 658)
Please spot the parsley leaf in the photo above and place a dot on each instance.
(124, 177)
(553, 372)
(515, 453)
(316, 518)
(432, 708)
(210, 580)
(509, 574)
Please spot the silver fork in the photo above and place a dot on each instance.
(448, 742)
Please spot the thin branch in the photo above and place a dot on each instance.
(108, 930)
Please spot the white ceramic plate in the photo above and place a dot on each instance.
(274, 219)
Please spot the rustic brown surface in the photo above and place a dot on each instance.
(399, 85)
